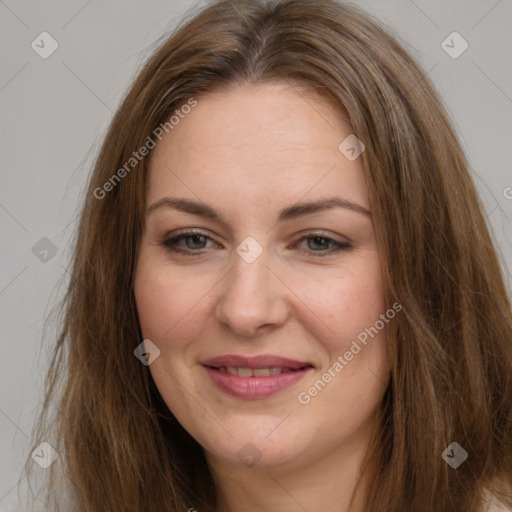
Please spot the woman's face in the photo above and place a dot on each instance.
(269, 272)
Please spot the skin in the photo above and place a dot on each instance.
(249, 152)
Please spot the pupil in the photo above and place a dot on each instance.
(316, 239)
(196, 239)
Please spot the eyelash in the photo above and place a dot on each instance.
(170, 244)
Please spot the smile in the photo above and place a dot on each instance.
(255, 372)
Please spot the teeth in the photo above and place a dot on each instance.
(244, 372)
(261, 372)
(256, 372)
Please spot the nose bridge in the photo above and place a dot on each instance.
(252, 297)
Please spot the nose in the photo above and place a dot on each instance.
(253, 300)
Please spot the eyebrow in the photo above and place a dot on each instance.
(286, 214)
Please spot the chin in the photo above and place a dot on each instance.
(261, 445)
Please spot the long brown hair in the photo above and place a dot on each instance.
(120, 448)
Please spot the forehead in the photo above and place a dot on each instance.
(265, 142)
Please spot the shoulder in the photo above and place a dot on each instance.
(493, 504)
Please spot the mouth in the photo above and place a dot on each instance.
(244, 371)
(261, 362)
(255, 377)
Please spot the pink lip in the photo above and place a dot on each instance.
(255, 387)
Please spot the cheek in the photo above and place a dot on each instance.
(363, 301)
(168, 306)
(355, 372)
(347, 305)
(359, 345)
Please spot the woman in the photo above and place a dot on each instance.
(284, 295)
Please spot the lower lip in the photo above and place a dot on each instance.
(255, 387)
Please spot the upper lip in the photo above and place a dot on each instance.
(263, 361)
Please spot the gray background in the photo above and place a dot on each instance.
(55, 111)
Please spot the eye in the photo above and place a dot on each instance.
(322, 245)
(194, 241)
(190, 242)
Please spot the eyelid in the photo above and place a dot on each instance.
(299, 236)
(307, 233)
(187, 231)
